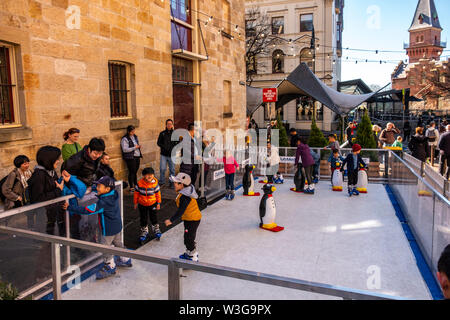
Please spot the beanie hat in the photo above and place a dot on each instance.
(356, 147)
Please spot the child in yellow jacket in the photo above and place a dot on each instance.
(147, 197)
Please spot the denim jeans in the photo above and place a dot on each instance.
(229, 181)
(163, 167)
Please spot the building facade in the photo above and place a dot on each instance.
(425, 69)
(295, 22)
(101, 65)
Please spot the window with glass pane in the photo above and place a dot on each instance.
(305, 108)
(181, 37)
(181, 70)
(306, 56)
(278, 61)
(6, 87)
(277, 25)
(118, 90)
(306, 22)
(250, 30)
(180, 10)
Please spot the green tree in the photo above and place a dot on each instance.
(7, 291)
(365, 137)
(284, 141)
(316, 137)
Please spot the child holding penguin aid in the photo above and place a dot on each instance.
(353, 161)
(189, 212)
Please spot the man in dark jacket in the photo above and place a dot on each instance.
(444, 146)
(166, 144)
(85, 163)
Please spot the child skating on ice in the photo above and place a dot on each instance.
(353, 162)
(189, 212)
(147, 197)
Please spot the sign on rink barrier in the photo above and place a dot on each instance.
(287, 160)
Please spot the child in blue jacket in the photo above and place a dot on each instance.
(110, 222)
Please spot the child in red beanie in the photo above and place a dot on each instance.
(353, 162)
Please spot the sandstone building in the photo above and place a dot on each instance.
(101, 65)
(294, 22)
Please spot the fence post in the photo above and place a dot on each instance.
(174, 285)
(67, 218)
(56, 271)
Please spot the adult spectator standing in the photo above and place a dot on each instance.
(433, 138)
(376, 134)
(406, 132)
(70, 146)
(443, 273)
(443, 127)
(444, 147)
(351, 133)
(294, 137)
(85, 163)
(132, 154)
(387, 136)
(166, 144)
(15, 186)
(418, 145)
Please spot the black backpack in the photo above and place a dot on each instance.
(2, 196)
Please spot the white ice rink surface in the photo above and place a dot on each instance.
(328, 238)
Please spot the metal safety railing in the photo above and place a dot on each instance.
(19, 257)
(175, 265)
(426, 209)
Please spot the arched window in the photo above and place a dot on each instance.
(278, 61)
(306, 56)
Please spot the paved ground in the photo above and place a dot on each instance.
(329, 238)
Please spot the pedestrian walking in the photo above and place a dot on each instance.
(433, 138)
(418, 145)
(444, 147)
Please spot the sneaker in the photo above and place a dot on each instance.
(121, 263)
(192, 256)
(105, 272)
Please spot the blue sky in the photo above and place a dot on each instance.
(364, 30)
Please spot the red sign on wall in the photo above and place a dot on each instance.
(270, 95)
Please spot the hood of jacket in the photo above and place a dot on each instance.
(189, 192)
(47, 156)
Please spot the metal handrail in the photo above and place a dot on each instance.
(437, 193)
(174, 266)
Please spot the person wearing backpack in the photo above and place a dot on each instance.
(14, 191)
(433, 137)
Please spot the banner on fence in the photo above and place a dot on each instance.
(219, 174)
(287, 159)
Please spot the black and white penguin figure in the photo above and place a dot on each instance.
(299, 179)
(248, 182)
(268, 211)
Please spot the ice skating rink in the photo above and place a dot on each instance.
(329, 238)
